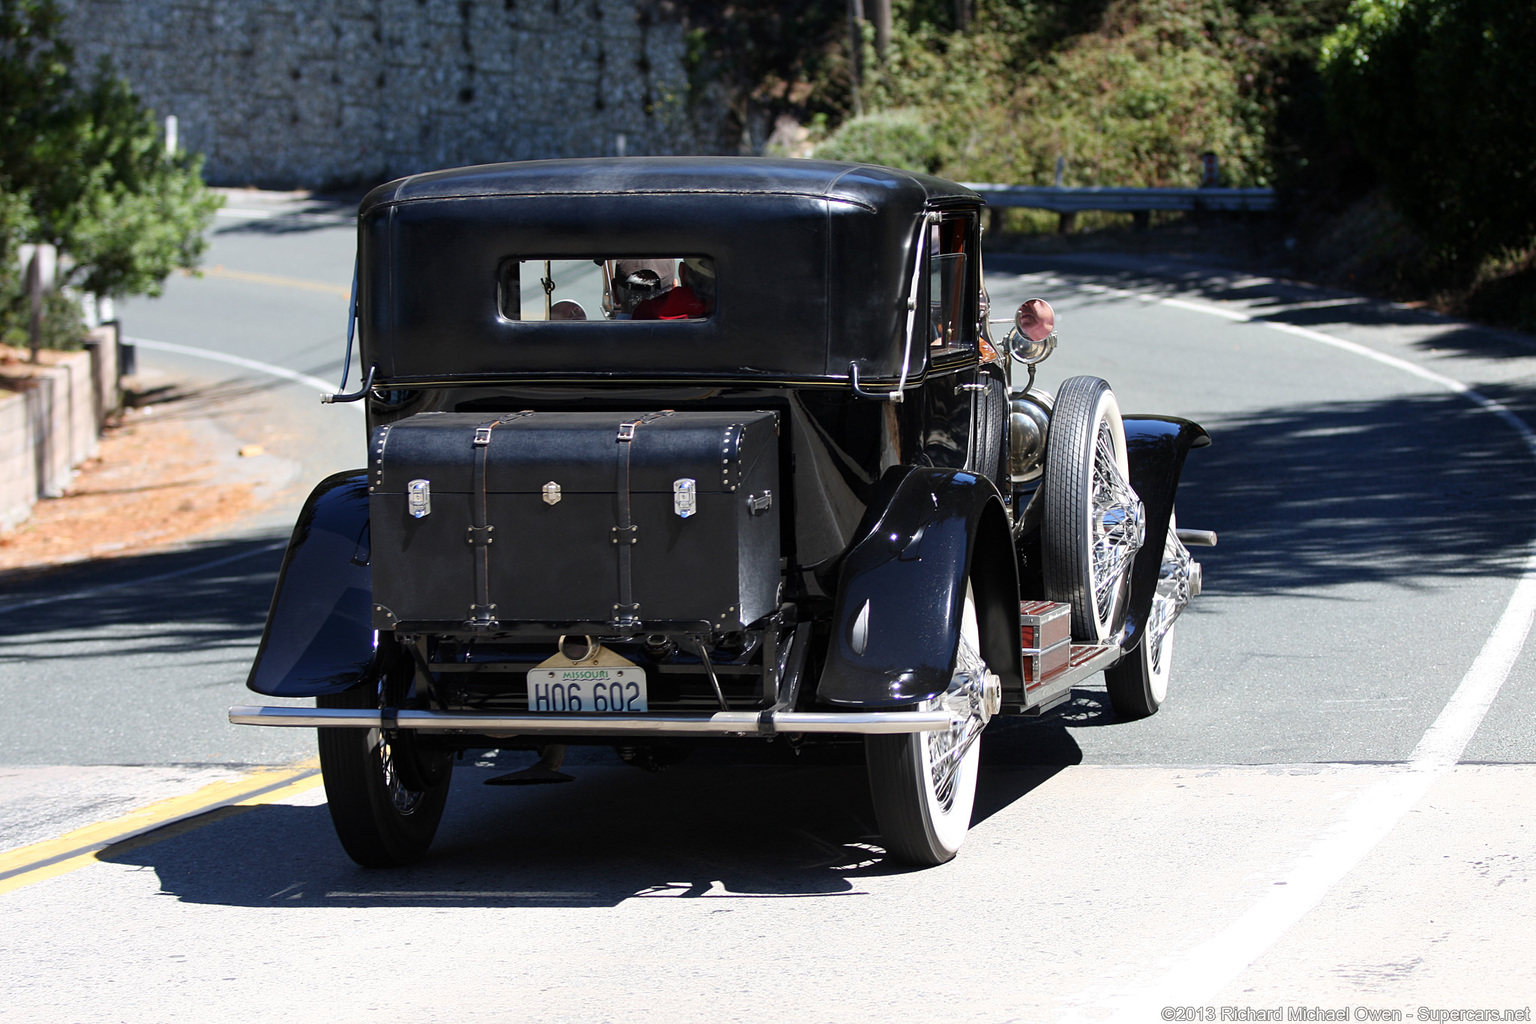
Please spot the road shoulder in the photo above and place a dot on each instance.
(168, 473)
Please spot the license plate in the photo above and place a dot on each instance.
(601, 690)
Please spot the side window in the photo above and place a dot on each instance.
(951, 292)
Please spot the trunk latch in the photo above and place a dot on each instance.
(418, 498)
(685, 496)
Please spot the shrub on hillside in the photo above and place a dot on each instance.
(1133, 100)
(1133, 104)
(1436, 95)
(908, 139)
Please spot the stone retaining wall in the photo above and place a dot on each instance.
(309, 93)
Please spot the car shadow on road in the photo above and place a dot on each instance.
(1396, 490)
(195, 598)
(759, 826)
(187, 398)
(314, 213)
(1308, 495)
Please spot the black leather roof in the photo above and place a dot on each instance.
(865, 184)
(813, 259)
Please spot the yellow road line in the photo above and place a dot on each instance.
(278, 280)
(211, 803)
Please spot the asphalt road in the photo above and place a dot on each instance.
(1332, 809)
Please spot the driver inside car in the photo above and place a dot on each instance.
(692, 299)
(632, 282)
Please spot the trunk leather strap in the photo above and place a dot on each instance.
(626, 534)
(481, 534)
(482, 614)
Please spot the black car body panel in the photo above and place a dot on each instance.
(900, 590)
(319, 633)
(1157, 446)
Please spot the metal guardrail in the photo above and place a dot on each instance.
(1125, 200)
(1139, 202)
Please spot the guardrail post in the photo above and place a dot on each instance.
(1210, 170)
(1141, 220)
(1066, 222)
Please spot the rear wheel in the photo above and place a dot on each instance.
(1093, 522)
(924, 784)
(1138, 685)
(384, 792)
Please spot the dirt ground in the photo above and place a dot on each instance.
(156, 482)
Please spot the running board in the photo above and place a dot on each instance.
(721, 723)
(1055, 687)
(1052, 662)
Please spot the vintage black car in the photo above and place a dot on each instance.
(669, 449)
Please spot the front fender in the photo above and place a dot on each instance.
(1156, 447)
(319, 635)
(900, 590)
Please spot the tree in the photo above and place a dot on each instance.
(89, 167)
(1436, 95)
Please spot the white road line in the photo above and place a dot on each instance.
(189, 571)
(1199, 974)
(324, 387)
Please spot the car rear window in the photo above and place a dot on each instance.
(607, 288)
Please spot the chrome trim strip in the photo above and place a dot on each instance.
(721, 723)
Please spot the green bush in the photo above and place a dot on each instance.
(89, 168)
(898, 138)
(1436, 95)
(1134, 104)
(1131, 92)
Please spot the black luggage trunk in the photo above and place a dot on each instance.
(482, 521)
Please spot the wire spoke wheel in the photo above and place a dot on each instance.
(1094, 523)
(385, 793)
(923, 784)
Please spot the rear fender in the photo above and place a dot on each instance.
(1156, 447)
(319, 636)
(900, 591)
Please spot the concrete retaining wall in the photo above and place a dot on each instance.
(18, 467)
(53, 422)
(305, 93)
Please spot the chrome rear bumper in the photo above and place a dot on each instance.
(721, 723)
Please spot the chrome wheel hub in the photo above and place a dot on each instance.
(1177, 581)
(1119, 524)
(975, 694)
(404, 799)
